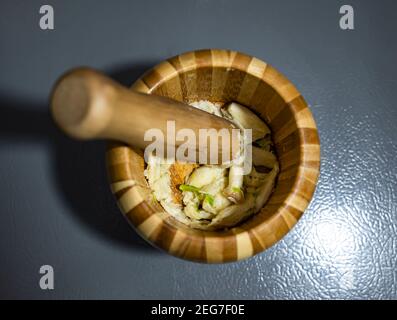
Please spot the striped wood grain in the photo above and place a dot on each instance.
(222, 76)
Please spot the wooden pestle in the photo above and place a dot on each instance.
(88, 105)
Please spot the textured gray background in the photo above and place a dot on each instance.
(55, 204)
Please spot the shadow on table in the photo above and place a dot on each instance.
(78, 167)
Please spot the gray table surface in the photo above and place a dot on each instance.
(55, 205)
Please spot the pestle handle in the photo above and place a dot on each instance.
(88, 105)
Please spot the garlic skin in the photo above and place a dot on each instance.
(214, 197)
(246, 119)
(234, 191)
(266, 188)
